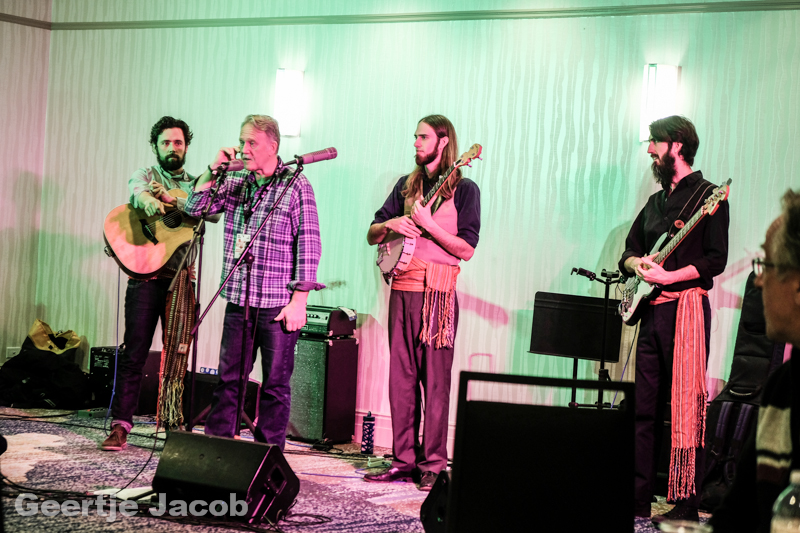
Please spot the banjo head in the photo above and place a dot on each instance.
(394, 255)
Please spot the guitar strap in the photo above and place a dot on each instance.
(180, 317)
(694, 208)
(154, 174)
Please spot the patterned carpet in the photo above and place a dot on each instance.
(61, 454)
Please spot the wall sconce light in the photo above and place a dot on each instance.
(289, 101)
(659, 95)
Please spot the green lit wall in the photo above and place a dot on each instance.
(554, 101)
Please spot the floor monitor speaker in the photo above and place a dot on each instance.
(577, 472)
(215, 469)
(434, 508)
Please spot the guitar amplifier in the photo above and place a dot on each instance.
(324, 389)
(329, 321)
(102, 368)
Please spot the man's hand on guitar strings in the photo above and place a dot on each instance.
(652, 272)
(404, 226)
(422, 214)
(160, 192)
(151, 205)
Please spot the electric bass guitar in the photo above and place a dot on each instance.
(637, 293)
(142, 245)
(395, 254)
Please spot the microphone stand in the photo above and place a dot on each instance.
(197, 237)
(610, 279)
(246, 257)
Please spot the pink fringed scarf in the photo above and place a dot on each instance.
(438, 282)
(688, 390)
(439, 303)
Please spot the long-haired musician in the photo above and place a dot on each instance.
(423, 307)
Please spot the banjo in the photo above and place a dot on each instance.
(638, 293)
(395, 254)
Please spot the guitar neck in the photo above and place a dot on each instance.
(676, 240)
(439, 183)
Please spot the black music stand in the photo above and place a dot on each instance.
(565, 325)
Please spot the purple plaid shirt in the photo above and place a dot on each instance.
(286, 252)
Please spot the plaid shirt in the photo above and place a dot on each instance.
(288, 249)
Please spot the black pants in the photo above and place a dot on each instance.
(145, 305)
(653, 391)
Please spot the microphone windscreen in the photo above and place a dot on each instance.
(235, 164)
(320, 155)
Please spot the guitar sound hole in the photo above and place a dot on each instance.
(172, 220)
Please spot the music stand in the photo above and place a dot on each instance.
(571, 326)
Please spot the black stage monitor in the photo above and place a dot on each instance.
(576, 468)
(572, 326)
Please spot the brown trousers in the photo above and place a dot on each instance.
(412, 363)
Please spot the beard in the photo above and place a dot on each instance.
(430, 157)
(664, 171)
(172, 162)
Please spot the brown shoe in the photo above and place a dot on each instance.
(118, 440)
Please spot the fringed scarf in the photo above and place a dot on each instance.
(439, 305)
(688, 390)
(438, 282)
(175, 354)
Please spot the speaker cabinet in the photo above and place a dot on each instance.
(206, 468)
(324, 389)
(204, 391)
(102, 367)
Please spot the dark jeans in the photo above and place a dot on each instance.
(412, 363)
(277, 364)
(653, 391)
(145, 304)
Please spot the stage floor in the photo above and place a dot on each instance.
(60, 453)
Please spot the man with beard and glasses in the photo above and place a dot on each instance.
(685, 276)
(423, 308)
(145, 300)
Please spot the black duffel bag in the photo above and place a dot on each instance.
(44, 374)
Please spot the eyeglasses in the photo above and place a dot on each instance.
(759, 264)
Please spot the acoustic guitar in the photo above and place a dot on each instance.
(637, 293)
(395, 254)
(142, 245)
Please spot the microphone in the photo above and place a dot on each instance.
(313, 157)
(229, 166)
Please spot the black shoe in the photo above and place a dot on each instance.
(388, 475)
(681, 511)
(427, 481)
